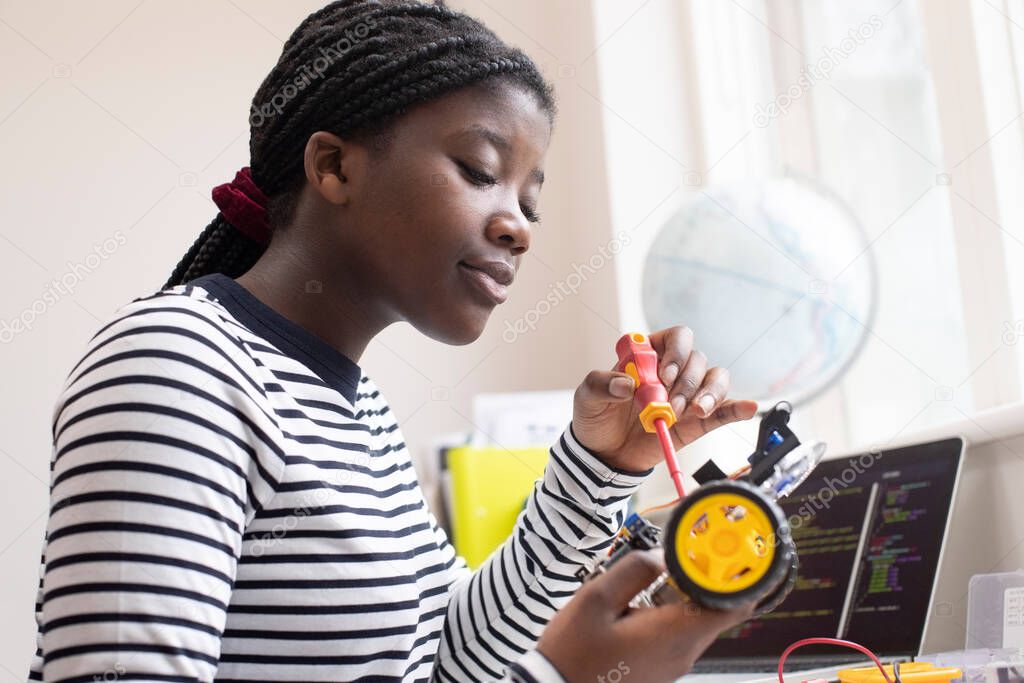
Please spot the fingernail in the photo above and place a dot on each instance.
(621, 387)
(706, 403)
(669, 374)
(678, 404)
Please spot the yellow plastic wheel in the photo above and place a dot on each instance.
(727, 544)
(723, 542)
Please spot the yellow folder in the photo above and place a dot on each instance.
(489, 487)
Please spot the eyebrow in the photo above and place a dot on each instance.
(501, 143)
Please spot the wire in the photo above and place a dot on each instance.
(643, 513)
(831, 641)
(735, 475)
(740, 472)
(623, 532)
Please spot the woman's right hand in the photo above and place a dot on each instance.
(597, 633)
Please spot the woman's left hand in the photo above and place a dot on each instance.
(606, 418)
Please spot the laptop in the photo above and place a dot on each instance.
(870, 531)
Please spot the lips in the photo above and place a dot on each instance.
(500, 271)
(490, 279)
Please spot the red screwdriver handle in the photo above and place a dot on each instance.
(638, 359)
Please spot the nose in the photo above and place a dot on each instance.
(510, 231)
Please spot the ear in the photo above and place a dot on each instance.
(334, 167)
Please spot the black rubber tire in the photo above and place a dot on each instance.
(778, 572)
(778, 596)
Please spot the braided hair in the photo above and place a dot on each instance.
(351, 69)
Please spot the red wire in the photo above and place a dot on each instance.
(831, 641)
(670, 455)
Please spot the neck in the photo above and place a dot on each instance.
(333, 307)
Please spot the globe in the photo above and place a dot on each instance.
(776, 280)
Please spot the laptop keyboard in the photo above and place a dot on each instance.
(720, 666)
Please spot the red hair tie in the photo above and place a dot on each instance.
(244, 206)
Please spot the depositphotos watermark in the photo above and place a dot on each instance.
(60, 287)
(310, 73)
(819, 70)
(615, 675)
(317, 501)
(822, 499)
(112, 674)
(1012, 331)
(561, 290)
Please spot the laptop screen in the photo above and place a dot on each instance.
(869, 531)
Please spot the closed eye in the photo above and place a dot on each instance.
(484, 179)
(476, 176)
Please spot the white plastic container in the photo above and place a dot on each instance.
(995, 611)
(976, 665)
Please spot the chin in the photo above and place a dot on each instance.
(456, 331)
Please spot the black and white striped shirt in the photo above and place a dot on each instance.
(231, 498)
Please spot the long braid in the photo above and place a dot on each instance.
(361, 64)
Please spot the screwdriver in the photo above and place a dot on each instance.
(639, 360)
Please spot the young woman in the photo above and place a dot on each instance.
(231, 496)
